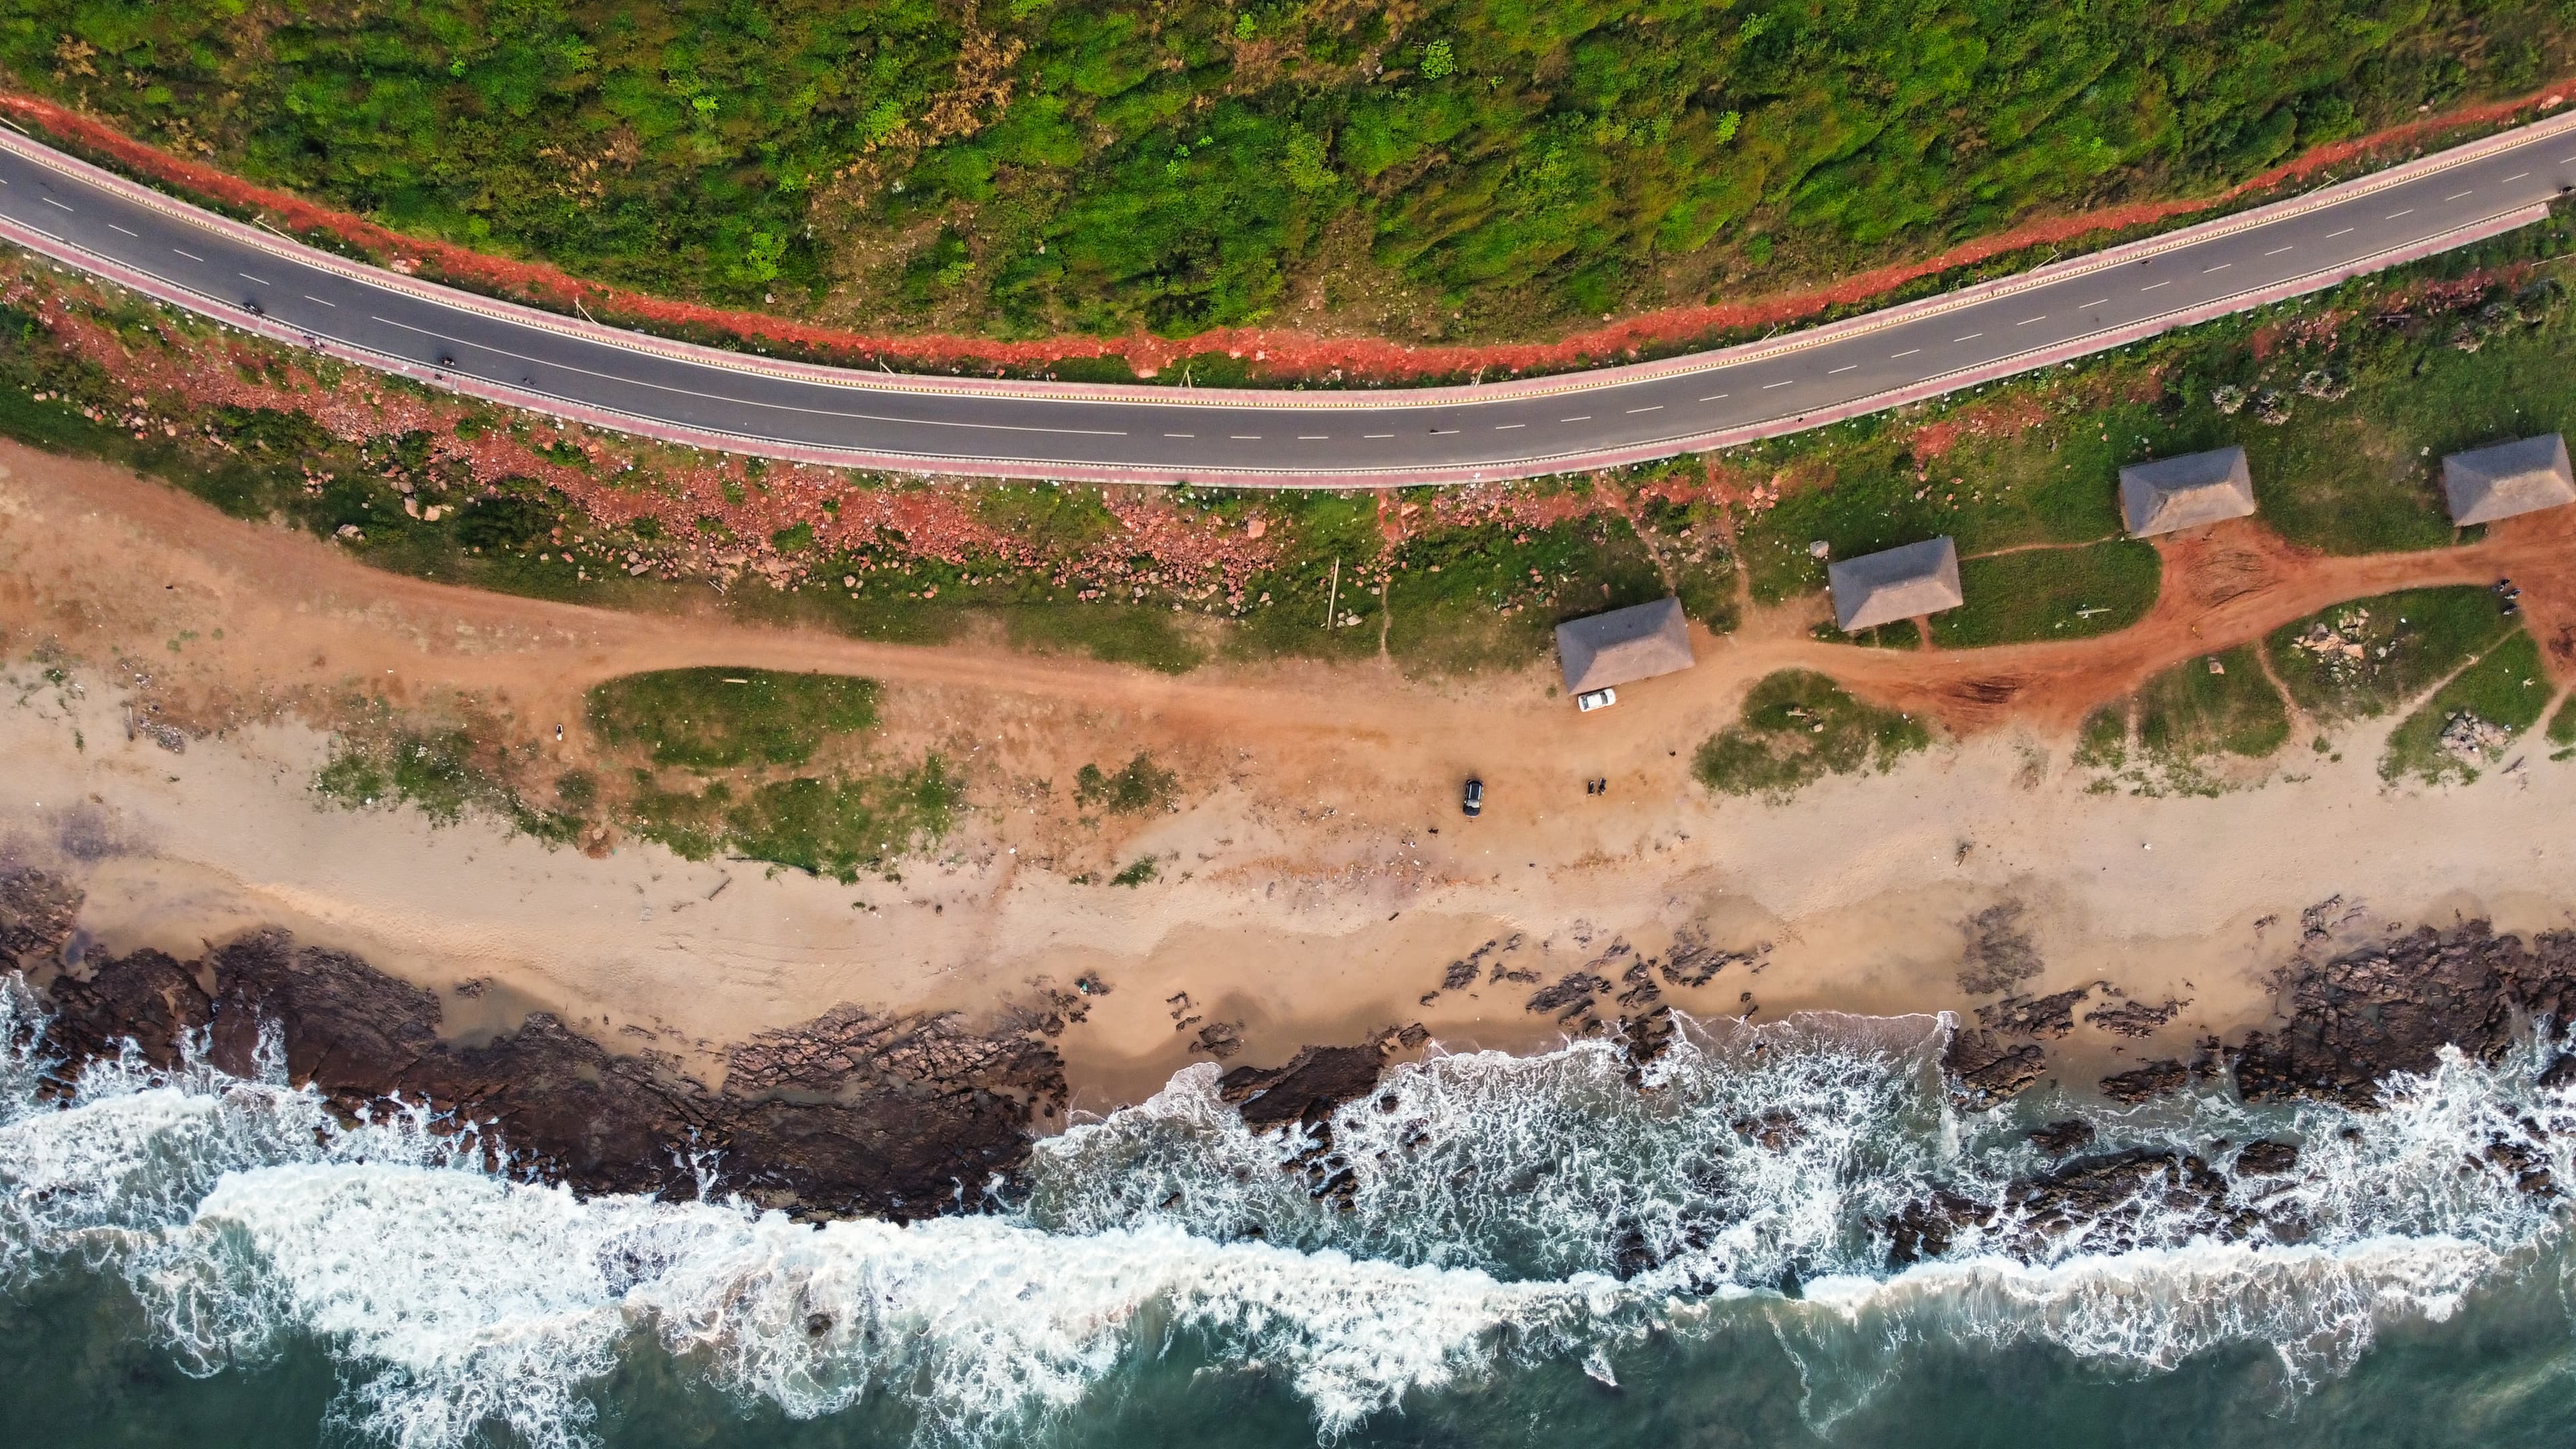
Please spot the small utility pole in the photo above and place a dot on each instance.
(1333, 601)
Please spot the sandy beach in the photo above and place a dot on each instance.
(1318, 880)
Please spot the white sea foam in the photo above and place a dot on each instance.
(1484, 1207)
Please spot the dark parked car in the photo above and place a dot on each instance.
(1473, 802)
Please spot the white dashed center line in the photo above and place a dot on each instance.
(1714, 397)
(2392, 216)
(2330, 236)
(1587, 417)
(2151, 286)
(2276, 251)
(1846, 367)
(2517, 176)
(1909, 352)
(112, 226)
(192, 256)
(309, 297)
(2222, 266)
(2097, 302)
(1377, 435)
(1314, 437)
(49, 201)
(2456, 195)
(1659, 407)
(1507, 427)
(263, 281)
(1971, 337)
(1180, 435)
(1245, 437)
(2026, 321)
(1784, 382)
(1443, 432)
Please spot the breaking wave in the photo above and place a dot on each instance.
(1478, 1215)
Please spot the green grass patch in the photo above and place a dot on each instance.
(836, 827)
(2051, 593)
(443, 773)
(1141, 871)
(715, 718)
(1798, 727)
(2362, 659)
(1140, 786)
(1490, 596)
(1157, 639)
(2188, 712)
(2562, 725)
(2505, 689)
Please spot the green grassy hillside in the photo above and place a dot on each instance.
(1472, 169)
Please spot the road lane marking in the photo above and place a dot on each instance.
(2151, 286)
(2222, 266)
(1587, 417)
(629, 380)
(2456, 195)
(1507, 427)
(2276, 251)
(1971, 337)
(263, 281)
(1784, 382)
(2098, 302)
(192, 256)
(1314, 437)
(1377, 435)
(49, 201)
(1846, 367)
(1714, 397)
(2026, 321)
(1444, 432)
(1659, 407)
(2517, 176)
(2392, 216)
(309, 297)
(1245, 437)
(112, 226)
(1909, 352)
(1180, 435)
(2330, 236)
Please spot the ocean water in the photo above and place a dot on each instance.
(1523, 1251)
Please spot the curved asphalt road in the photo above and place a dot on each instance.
(254, 279)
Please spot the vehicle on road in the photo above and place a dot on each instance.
(1473, 801)
(1592, 699)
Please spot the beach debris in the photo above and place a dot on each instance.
(2472, 740)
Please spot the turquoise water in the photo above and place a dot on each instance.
(1531, 1249)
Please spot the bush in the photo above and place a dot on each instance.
(709, 719)
(1798, 727)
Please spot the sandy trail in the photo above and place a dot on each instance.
(1318, 878)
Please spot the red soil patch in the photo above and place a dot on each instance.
(1285, 353)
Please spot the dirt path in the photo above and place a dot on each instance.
(280, 613)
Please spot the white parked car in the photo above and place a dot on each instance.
(1590, 700)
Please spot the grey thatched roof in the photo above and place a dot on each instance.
(2196, 488)
(1901, 583)
(1624, 644)
(2486, 484)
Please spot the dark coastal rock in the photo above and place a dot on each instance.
(36, 915)
(2132, 1018)
(2267, 1159)
(2050, 1016)
(1644, 1038)
(2152, 1080)
(2058, 1139)
(2358, 1017)
(1572, 993)
(148, 997)
(855, 1113)
(1985, 1071)
(1308, 1089)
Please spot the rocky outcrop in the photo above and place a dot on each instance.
(855, 1113)
(2356, 1018)
(1986, 1072)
